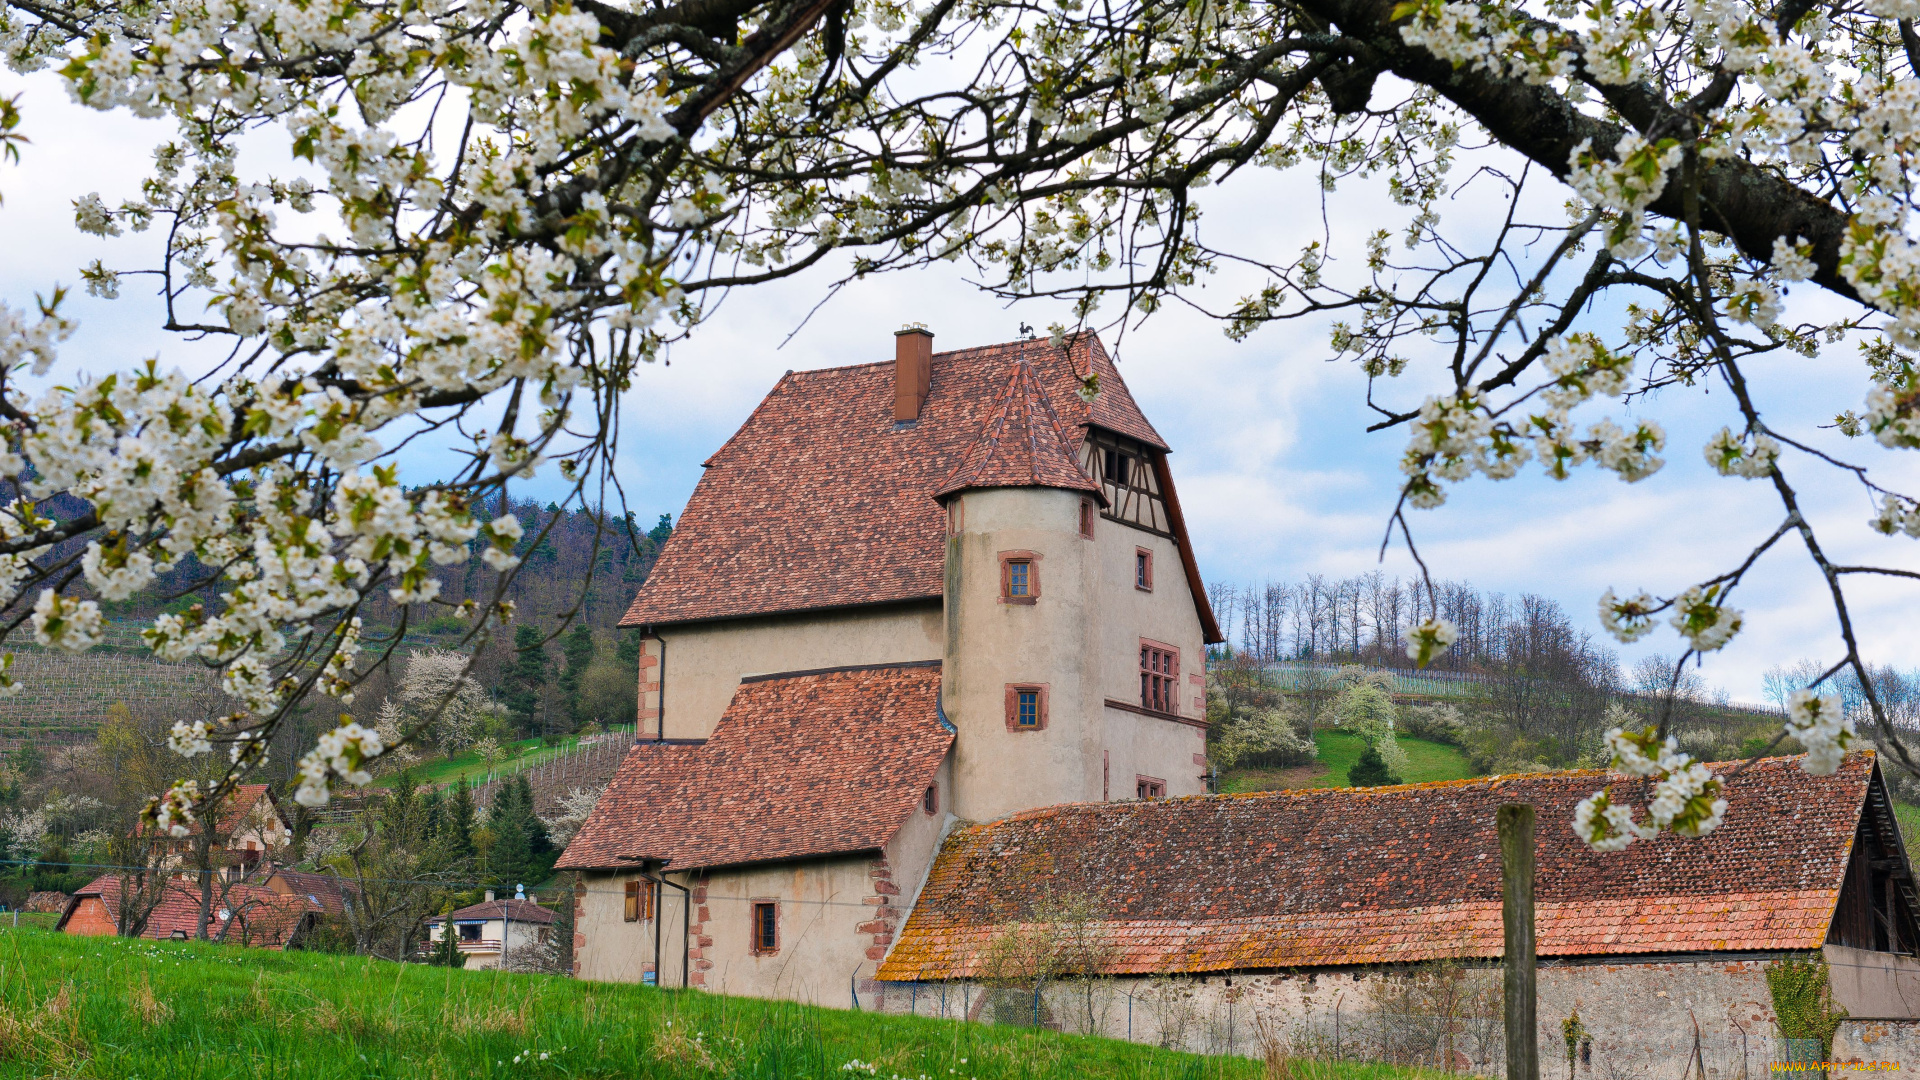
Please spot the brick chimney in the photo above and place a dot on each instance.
(912, 368)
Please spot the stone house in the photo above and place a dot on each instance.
(1204, 918)
(941, 587)
(484, 932)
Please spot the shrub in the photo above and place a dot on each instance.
(1436, 723)
(1272, 737)
(1367, 710)
(1803, 1001)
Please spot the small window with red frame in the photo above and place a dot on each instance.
(766, 928)
(1149, 787)
(1026, 707)
(1143, 569)
(1019, 577)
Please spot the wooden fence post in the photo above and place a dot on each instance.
(1516, 909)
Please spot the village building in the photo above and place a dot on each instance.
(169, 908)
(942, 587)
(1323, 913)
(327, 892)
(486, 932)
(248, 827)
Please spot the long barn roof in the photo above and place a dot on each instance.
(1387, 875)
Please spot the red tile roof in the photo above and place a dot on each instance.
(328, 891)
(801, 765)
(255, 916)
(1021, 444)
(525, 911)
(1389, 875)
(242, 801)
(821, 501)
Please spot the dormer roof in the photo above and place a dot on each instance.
(821, 500)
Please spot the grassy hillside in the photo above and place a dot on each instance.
(1338, 752)
(118, 1010)
(1909, 818)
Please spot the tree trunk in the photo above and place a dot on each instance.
(1516, 908)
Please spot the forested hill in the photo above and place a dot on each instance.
(572, 561)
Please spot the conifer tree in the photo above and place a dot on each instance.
(457, 821)
(446, 948)
(1370, 770)
(520, 689)
(578, 650)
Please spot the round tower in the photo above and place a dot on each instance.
(1020, 680)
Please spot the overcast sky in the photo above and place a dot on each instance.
(1275, 471)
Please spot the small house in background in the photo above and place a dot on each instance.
(484, 931)
(242, 914)
(329, 893)
(248, 826)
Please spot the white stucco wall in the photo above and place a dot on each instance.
(705, 662)
(1081, 639)
(837, 917)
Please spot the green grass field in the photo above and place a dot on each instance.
(1426, 760)
(1338, 751)
(111, 1009)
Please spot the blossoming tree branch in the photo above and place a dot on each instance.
(498, 210)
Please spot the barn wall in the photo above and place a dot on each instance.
(1640, 1015)
(1874, 985)
(91, 919)
(1886, 1041)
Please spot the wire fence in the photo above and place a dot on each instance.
(589, 761)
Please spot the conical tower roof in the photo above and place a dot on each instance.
(1020, 445)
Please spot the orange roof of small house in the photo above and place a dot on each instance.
(802, 765)
(1387, 875)
(506, 909)
(240, 914)
(821, 500)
